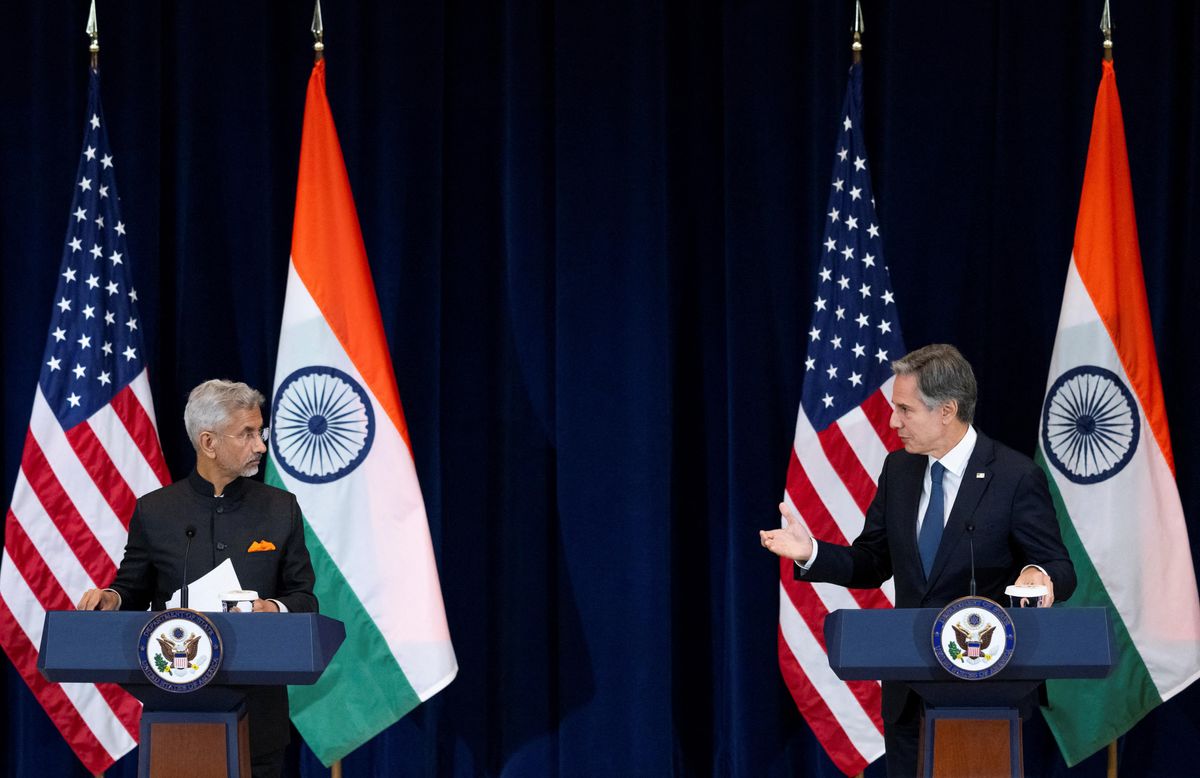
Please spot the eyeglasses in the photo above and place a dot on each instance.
(249, 436)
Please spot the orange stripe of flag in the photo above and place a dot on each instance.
(329, 255)
(1110, 262)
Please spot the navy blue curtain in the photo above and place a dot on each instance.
(592, 227)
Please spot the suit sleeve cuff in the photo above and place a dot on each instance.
(804, 567)
(280, 605)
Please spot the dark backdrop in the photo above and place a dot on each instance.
(592, 227)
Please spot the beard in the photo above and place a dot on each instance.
(251, 468)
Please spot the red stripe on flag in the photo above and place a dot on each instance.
(817, 713)
(879, 412)
(33, 568)
(124, 705)
(51, 596)
(83, 543)
(813, 611)
(823, 527)
(141, 429)
(101, 469)
(847, 466)
(808, 502)
(51, 696)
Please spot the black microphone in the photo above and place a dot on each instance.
(190, 531)
(971, 540)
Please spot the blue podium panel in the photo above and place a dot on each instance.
(896, 644)
(260, 649)
(207, 725)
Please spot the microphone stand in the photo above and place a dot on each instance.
(183, 593)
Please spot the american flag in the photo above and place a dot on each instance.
(91, 449)
(842, 437)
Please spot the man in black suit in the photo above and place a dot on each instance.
(974, 488)
(257, 527)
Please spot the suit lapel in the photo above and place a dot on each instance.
(907, 501)
(975, 481)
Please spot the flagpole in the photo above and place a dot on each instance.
(1106, 28)
(856, 58)
(857, 31)
(93, 31)
(318, 31)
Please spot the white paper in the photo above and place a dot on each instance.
(204, 594)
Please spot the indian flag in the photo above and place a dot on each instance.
(1106, 448)
(340, 444)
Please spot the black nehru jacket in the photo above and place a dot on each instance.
(226, 527)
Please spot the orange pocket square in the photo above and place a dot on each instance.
(260, 545)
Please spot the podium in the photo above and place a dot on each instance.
(969, 728)
(203, 732)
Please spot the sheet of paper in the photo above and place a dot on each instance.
(204, 594)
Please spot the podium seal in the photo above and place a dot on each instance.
(179, 650)
(973, 638)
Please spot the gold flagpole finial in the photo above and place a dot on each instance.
(93, 31)
(1106, 27)
(858, 29)
(318, 31)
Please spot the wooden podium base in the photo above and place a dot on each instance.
(195, 744)
(970, 743)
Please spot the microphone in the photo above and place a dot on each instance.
(190, 531)
(971, 540)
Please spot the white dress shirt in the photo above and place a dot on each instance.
(955, 462)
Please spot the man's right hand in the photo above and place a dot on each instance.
(793, 541)
(99, 599)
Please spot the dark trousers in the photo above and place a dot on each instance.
(901, 739)
(268, 765)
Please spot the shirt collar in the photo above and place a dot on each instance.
(955, 460)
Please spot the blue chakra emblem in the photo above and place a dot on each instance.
(1090, 424)
(322, 424)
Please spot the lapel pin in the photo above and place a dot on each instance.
(980, 475)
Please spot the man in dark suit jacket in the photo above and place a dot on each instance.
(988, 494)
(257, 527)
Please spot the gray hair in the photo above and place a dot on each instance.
(943, 374)
(211, 403)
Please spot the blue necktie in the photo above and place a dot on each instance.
(935, 518)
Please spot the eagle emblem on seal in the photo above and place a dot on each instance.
(970, 638)
(180, 647)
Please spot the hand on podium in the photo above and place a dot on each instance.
(99, 599)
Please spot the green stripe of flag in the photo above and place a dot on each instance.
(363, 683)
(1088, 714)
